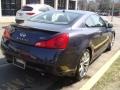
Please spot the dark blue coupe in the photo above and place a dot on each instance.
(62, 42)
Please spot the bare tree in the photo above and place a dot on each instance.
(104, 5)
(92, 6)
(82, 4)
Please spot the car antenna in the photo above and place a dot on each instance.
(63, 10)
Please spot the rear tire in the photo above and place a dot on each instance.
(83, 65)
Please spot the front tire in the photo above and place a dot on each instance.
(111, 44)
(83, 65)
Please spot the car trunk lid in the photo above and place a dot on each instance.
(29, 36)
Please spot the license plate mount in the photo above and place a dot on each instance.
(19, 63)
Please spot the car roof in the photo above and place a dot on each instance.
(77, 11)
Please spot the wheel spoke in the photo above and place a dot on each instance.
(112, 42)
(84, 63)
(82, 71)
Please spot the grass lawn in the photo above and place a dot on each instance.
(111, 79)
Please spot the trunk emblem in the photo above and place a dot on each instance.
(23, 35)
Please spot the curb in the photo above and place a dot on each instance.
(90, 83)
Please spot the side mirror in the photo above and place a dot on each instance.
(109, 25)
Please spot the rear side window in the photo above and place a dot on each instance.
(89, 22)
(98, 22)
(94, 21)
(27, 8)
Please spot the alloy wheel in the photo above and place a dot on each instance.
(84, 63)
(112, 42)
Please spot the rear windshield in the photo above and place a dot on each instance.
(27, 8)
(57, 17)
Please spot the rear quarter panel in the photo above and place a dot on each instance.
(79, 41)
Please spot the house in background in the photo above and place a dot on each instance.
(8, 8)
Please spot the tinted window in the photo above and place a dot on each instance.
(56, 17)
(27, 8)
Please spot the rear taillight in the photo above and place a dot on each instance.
(6, 33)
(30, 13)
(58, 42)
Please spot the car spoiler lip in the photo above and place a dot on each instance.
(43, 26)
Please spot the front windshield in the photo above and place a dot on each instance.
(56, 17)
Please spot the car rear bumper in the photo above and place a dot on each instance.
(43, 59)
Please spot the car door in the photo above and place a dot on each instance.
(102, 30)
(96, 31)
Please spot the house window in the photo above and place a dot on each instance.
(72, 5)
(61, 4)
(10, 7)
(32, 1)
(49, 2)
